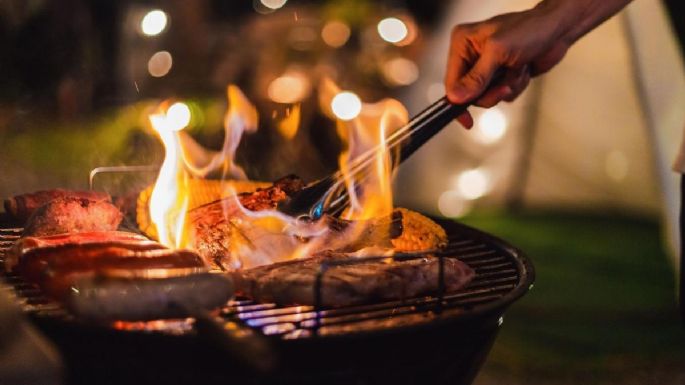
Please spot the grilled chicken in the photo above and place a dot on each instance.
(72, 215)
(293, 282)
(22, 206)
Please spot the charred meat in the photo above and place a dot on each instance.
(293, 282)
(72, 215)
(22, 206)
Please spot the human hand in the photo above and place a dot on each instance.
(519, 45)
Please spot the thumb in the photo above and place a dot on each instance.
(475, 81)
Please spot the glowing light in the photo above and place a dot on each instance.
(346, 105)
(335, 33)
(153, 23)
(400, 71)
(159, 64)
(616, 165)
(289, 88)
(435, 91)
(178, 116)
(491, 126)
(452, 204)
(473, 184)
(273, 4)
(392, 30)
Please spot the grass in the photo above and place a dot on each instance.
(603, 306)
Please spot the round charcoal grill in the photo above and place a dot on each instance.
(442, 338)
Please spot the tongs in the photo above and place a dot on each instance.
(329, 195)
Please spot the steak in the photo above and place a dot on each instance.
(71, 215)
(22, 206)
(293, 282)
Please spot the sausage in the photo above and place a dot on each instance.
(107, 299)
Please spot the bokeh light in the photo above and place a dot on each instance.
(452, 204)
(178, 116)
(335, 33)
(473, 184)
(490, 126)
(273, 4)
(346, 105)
(291, 87)
(400, 71)
(153, 23)
(159, 64)
(392, 30)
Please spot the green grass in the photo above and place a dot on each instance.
(603, 305)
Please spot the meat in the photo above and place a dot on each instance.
(293, 282)
(55, 263)
(127, 240)
(108, 299)
(22, 206)
(70, 215)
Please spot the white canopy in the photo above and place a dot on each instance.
(599, 132)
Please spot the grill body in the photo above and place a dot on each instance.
(441, 339)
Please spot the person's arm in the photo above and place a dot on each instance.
(519, 45)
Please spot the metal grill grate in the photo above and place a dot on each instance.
(499, 274)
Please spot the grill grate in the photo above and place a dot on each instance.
(499, 274)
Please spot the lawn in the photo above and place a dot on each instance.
(603, 308)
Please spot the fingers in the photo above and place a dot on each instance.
(509, 88)
(462, 55)
(472, 84)
(466, 120)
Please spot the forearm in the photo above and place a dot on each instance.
(575, 18)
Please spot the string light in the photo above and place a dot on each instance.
(159, 64)
(289, 88)
(153, 23)
(400, 71)
(392, 30)
(273, 4)
(335, 33)
(452, 204)
(491, 126)
(346, 105)
(178, 116)
(473, 184)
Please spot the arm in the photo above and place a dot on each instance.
(521, 44)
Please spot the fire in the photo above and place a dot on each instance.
(185, 159)
(263, 237)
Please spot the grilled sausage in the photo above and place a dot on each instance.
(108, 299)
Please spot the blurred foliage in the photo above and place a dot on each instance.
(603, 306)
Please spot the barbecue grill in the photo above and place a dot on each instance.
(441, 338)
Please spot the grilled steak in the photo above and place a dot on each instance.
(71, 215)
(22, 206)
(292, 282)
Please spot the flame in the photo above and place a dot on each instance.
(169, 200)
(185, 159)
(369, 187)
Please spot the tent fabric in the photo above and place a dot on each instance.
(598, 132)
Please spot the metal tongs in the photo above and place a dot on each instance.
(329, 195)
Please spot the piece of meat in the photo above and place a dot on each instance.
(292, 282)
(71, 215)
(21, 207)
(107, 299)
(55, 269)
(123, 239)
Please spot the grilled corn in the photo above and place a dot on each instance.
(418, 233)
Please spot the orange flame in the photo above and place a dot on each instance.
(184, 159)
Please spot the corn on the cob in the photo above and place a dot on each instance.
(201, 191)
(418, 233)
